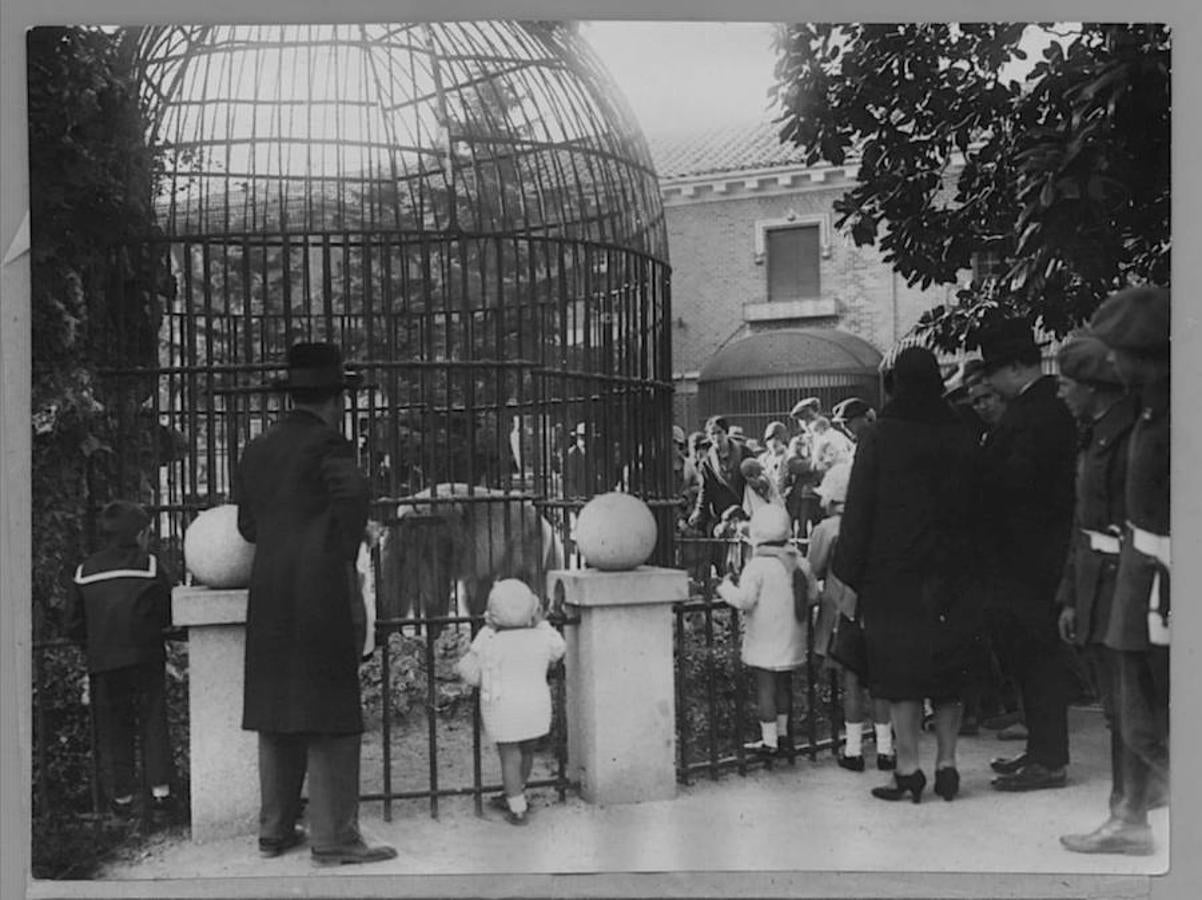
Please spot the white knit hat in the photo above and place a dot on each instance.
(769, 523)
(833, 488)
(511, 603)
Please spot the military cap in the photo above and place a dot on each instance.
(809, 403)
(1085, 358)
(1135, 320)
(851, 408)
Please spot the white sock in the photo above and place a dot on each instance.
(517, 804)
(782, 725)
(768, 733)
(161, 791)
(884, 739)
(855, 739)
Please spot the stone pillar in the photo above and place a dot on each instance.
(224, 759)
(621, 694)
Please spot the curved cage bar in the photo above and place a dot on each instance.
(470, 212)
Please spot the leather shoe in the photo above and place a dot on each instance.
(1115, 836)
(886, 762)
(1032, 777)
(851, 763)
(353, 854)
(270, 849)
(1008, 765)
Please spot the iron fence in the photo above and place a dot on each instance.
(715, 708)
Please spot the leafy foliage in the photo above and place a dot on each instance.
(96, 302)
(95, 306)
(1063, 170)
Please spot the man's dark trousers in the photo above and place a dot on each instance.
(1036, 657)
(1143, 713)
(332, 762)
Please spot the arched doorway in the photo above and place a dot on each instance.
(759, 378)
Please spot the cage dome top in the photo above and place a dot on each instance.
(484, 128)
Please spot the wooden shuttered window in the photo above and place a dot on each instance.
(793, 260)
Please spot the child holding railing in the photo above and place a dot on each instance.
(774, 635)
(508, 661)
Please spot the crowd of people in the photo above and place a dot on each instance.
(985, 532)
(1005, 514)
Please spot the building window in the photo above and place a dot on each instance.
(988, 266)
(794, 256)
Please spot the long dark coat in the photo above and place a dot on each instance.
(720, 490)
(906, 547)
(302, 655)
(1087, 585)
(1027, 505)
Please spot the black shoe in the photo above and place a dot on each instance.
(1008, 765)
(271, 848)
(1032, 777)
(947, 782)
(851, 763)
(354, 854)
(162, 808)
(913, 784)
(122, 809)
(886, 762)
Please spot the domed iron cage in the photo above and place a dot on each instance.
(470, 212)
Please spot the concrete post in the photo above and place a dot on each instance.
(621, 693)
(224, 759)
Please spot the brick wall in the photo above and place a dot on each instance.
(711, 243)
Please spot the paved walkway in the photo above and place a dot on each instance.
(810, 817)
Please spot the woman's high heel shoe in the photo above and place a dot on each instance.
(947, 782)
(913, 784)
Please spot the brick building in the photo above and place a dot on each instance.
(753, 248)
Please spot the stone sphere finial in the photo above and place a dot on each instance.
(214, 552)
(615, 532)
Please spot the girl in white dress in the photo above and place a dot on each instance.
(773, 638)
(508, 661)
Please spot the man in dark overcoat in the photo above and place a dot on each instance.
(1134, 323)
(1091, 388)
(1029, 465)
(303, 502)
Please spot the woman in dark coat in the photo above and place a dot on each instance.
(906, 548)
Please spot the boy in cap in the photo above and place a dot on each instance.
(1027, 512)
(802, 502)
(119, 606)
(1134, 324)
(303, 503)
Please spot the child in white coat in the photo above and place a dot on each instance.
(508, 661)
(773, 638)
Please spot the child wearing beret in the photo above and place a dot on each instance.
(119, 605)
(773, 638)
(508, 661)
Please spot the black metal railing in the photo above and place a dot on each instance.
(715, 707)
(446, 708)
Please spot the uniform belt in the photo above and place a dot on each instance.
(1151, 544)
(1101, 542)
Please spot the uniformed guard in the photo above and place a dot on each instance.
(1134, 323)
(1091, 388)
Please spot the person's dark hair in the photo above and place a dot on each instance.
(916, 373)
(717, 422)
(313, 396)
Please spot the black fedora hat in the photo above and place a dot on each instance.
(1003, 341)
(317, 366)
